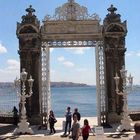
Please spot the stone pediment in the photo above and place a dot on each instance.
(71, 21)
(61, 27)
(69, 29)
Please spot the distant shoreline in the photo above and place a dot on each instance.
(59, 84)
(53, 84)
(68, 84)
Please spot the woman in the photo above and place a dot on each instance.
(85, 130)
(75, 128)
(52, 121)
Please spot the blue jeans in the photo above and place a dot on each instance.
(66, 125)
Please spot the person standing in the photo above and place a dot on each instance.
(85, 130)
(137, 132)
(68, 120)
(77, 114)
(75, 128)
(52, 121)
(15, 115)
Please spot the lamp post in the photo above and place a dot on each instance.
(23, 125)
(126, 121)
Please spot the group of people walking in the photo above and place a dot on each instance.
(73, 129)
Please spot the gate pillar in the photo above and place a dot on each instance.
(114, 32)
(29, 51)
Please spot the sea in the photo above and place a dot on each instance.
(83, 98)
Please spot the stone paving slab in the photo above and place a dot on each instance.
(6, 132)
(44, 135)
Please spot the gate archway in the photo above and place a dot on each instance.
(72, 26)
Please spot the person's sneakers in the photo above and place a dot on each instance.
(64, 135)
(70, 136)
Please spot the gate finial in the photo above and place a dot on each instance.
(112, 9)
(71, 1)
(30, 10)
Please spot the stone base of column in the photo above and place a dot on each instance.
(35, 120)
(113, 118)
(23, 128)
(126, 125)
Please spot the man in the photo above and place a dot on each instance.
(137, 132)
(68, 120)
(77, 114)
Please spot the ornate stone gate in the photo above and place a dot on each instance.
(72, 26)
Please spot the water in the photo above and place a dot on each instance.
(84, 98)
(8, 99)
(134, 99)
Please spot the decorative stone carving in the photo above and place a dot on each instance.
(72, 26)
(57, 44)
(114, 32)
(71, 11)
(113, 27)
(29, 23)
(112, 16)
(28, 33)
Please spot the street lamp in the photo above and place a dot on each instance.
(23, 125)
(126, 121)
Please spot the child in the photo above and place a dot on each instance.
(85, 130)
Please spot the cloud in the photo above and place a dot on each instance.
(52, 72)
(73, 75)
(51, 49)
(129, 53)
(133, 53)
(138, 53)
(81, 69)
(2, 49)
(65, 62)
(13, 64)
(61, 59)
(11, 71)
(68, 64)
(80, 50)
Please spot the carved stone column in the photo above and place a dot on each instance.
(28, 33)
(114, 32)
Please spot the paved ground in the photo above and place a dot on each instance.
(6, 133)
(59, 138)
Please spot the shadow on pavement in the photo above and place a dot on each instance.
(9, 137)
(6, 128)
(118, 136)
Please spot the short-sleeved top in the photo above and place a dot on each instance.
(68, 116)
(75, 129)
(85, 130)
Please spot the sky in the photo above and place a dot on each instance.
(73, 65)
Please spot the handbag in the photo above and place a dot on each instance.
(55, 120)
